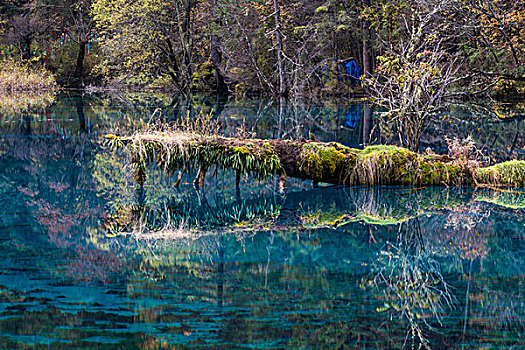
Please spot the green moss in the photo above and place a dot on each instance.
(399, 166)
(325, 160)
(511, 173)
(381, 149)
(439, 173)
(386, 164)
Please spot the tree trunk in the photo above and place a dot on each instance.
(185, 38)
(188, 45)
(216, 53)
(308, 160)
(366, 44)
(280, 59)
(26, 48)
(79, 68)
(367, 121)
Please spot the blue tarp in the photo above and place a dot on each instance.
(352, 71)
(349, 69)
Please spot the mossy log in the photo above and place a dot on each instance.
(321, 162)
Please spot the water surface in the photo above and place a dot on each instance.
(91, 261)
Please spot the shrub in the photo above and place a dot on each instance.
(16, 76)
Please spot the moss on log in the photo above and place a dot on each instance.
(321, 162)
(511, 173)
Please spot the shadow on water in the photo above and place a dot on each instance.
(89, 261)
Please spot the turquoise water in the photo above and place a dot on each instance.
(91, 261)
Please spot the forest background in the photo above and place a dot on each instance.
(278, 47)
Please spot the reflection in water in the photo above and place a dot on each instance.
(412, 285)
(406, 255)
(349, 122)
(90, 262)
(14, 104)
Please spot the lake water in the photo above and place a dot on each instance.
(91, 261)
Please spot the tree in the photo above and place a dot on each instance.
(79, 24)
(146, 39)
(216, 50)
(279, 48)
(25, 21)
(42, 22)
(247, 48)
(419, 76)
(282, 47)
(324, 36)
(499, 30)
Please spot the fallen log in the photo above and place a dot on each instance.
(313, 160)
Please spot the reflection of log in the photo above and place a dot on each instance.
(503, 198)
(327, 208)
(318, 161)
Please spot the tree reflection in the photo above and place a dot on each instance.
(14, 104)
(412, 285)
